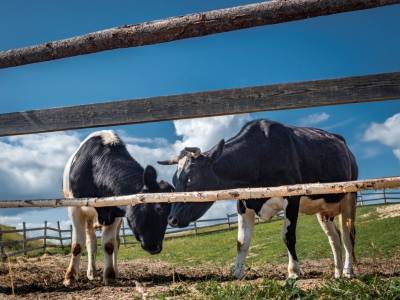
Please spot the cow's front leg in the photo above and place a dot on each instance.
(109, 246)
(115, 254)
(91, 246)
(245, 231)
(291, 209)
(77, 245)
(347, 220)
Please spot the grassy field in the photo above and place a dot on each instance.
(197, 267)
(376, 237)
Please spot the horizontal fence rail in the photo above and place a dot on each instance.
(61, 238)
(358, 89)
(182, 27)
(210, 196)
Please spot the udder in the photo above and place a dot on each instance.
(310, 206)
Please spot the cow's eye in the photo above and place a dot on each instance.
(159, 210)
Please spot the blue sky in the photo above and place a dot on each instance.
(349, 44)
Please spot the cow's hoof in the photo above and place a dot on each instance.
(70, 277)
(90, 274)
(238, 274)
(338, 273)
(109, 276)
(348, 273)
(67, 282)
(293, 270)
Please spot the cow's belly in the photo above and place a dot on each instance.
(312, 206)
(271, 207)
(308, 206)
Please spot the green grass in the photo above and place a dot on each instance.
(367, 287)
(376, 238)
(373, 239)
(15, 237)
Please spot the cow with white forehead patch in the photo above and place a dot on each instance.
(102, 167)
(263, 154)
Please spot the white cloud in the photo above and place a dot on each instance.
(206, 132)
(386, 133)
(314, 119)
(31, 166)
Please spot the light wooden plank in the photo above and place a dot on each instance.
(211, 196)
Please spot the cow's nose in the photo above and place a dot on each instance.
(156, 250)
(173, 221)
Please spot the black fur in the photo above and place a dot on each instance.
(265, 153)
(101, 170)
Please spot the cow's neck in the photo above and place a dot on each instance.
(224, 181)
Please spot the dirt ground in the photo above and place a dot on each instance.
(41, 277)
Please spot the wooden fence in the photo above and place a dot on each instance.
(57, 237)
(378, 87)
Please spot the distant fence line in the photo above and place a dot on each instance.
(48, 233)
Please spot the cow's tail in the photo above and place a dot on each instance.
(348, 218)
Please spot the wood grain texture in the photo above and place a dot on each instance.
(211, 196)
(182, 27)
(214, 103)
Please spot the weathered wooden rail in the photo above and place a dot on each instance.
(62, 237)
(376, 87)
(182, 27)
(211, 196)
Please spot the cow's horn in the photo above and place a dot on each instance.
(194, 150)
(174, 160)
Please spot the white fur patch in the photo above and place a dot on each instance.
(181, 165)
(108, 137)
(271, 207)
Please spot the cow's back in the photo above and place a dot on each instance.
(101, 170)
(102, 167)
(267, 153)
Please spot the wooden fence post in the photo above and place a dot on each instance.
(60, 235)
(123, 232)
(45, 237)
(2, 253)
(229, 221)
(384, 196)
(70, 234)
(195, 227)
(24, 237)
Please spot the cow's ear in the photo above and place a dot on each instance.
(216, 152)
(150, 178)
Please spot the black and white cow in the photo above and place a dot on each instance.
(101, 167)
(266, 153)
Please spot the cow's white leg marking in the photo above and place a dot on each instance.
(347, 219)
(334, 240)
(78, 243)
(291, 211)
(91, 246)
(245, 231)
(109, 240)
(116, 248)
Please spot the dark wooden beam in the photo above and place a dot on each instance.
(369, 88)
(182, 27)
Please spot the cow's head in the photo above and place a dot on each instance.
(149, 221)
(195, 172)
